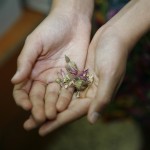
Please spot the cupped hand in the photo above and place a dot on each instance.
(106, 60)
(42, 57)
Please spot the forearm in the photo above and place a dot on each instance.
(133, 21)
(82, 8)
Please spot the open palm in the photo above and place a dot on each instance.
(42, 58)
(106, 61)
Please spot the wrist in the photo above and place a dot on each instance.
(132, 22)
(74, 8)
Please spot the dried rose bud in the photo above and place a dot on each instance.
(71, 67)
(79, 80)
(84, 75)
(80, 85)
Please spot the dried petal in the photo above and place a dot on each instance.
(62, 73)
(58, 80)
(80, 85)
(80, 81)
(66, 86)
(71, 67)
(67, 59)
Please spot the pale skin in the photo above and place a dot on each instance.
(106, 58)
(43, 56)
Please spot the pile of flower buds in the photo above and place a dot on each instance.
(80, 80)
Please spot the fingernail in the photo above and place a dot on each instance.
(94, 117)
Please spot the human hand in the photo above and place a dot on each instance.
(107, 57)
(106, 60)
(63, 32)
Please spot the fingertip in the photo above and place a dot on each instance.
(38, 115)
(15, 78)
(60, 106)
(28, 125)
(45, 129)
(94, 111)
(64, 99)
(63, 103)
(51, 113)
(41, 133)
(93, 117)
(26, 105)
(19, 76)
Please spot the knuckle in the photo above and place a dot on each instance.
(38, 95)
(51, 94)
(64, 98)
(49, 104)
(50, 113)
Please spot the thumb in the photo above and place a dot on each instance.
(26, 60)
(104, 94)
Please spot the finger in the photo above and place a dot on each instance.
(26, 60)
(106, 88)
(51, 97)
(64, 98)
(72, 113)
(30, 123)
(37, 98)
(21, 97)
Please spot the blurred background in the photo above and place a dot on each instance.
(17, 19)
